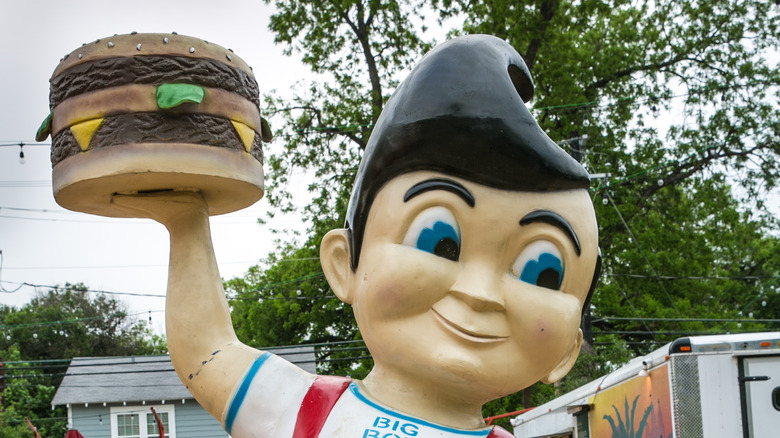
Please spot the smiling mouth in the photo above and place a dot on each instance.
(464, 333)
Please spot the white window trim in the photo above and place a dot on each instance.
(142, 410)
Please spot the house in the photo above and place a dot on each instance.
(112, 397)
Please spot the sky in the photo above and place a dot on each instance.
(44, 244)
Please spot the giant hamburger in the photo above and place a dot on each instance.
(153, 112)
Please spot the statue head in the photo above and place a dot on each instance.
(471, 242)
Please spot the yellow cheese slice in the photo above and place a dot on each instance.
(84, 131)
(246, 133)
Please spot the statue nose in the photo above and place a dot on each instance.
(479, 288)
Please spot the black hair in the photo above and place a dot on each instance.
(462, 112)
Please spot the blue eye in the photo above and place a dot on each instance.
(436, 231)
(540, 264)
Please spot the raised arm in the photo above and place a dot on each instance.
(204, 349)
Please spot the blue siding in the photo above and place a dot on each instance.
(192, 421)
(88, 420)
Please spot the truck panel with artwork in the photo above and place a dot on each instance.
(706, 386)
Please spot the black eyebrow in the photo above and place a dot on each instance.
(555, 220)
(440, 184)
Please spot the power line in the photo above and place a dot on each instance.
(642, 252)
(269, 348)
(654, 319)
(237, 297)
(671, 162)
(214, 220)
(29, 183)
(77, 320)
(697, 278)
(624, 100)
(5, 216)
(245, 295)
(44, 286)
(119, 221)
(621, 100)
(22, 143)
(74, 363)
(36, 210)
(8, 371)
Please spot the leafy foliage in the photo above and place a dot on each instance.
(687, 238)
(358, 48)
(39, 337)
(26, 395)
(67, 322)
(675, 102)
(292, 308)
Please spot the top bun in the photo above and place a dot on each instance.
(134, 44)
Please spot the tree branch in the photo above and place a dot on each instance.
(547, 11)
(635, 69)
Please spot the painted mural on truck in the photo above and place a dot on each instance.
(638, 408)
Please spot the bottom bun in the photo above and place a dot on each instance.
(229, 180)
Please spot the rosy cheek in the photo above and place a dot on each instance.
(391, 298)
(396, 297)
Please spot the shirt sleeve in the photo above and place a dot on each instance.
(266, 402)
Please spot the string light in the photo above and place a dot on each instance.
(21, 153)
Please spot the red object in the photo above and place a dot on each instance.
(35, 431)
(317, 404)
(160, 427)
(499, 432)
(73, 433)
(508, 414)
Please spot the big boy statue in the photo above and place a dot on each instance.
(468, 255)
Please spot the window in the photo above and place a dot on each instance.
(151, 425)
(127, 425)
(138, 421)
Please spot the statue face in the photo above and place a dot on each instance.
(474, 287)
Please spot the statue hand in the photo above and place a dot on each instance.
(163, 207)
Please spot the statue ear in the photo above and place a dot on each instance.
(564, 366)
(336, 263)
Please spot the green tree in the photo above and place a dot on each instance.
(67, 322)
(39, 338)
(685, 231)
(357, 48)
(27, 396)
(676, 102)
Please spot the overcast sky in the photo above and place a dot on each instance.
(44, 244)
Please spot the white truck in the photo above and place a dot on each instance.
(721, 386)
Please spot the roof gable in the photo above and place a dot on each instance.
(140, 378)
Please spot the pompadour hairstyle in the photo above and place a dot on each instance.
(462, 112)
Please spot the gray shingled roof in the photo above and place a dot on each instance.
(139, 378)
